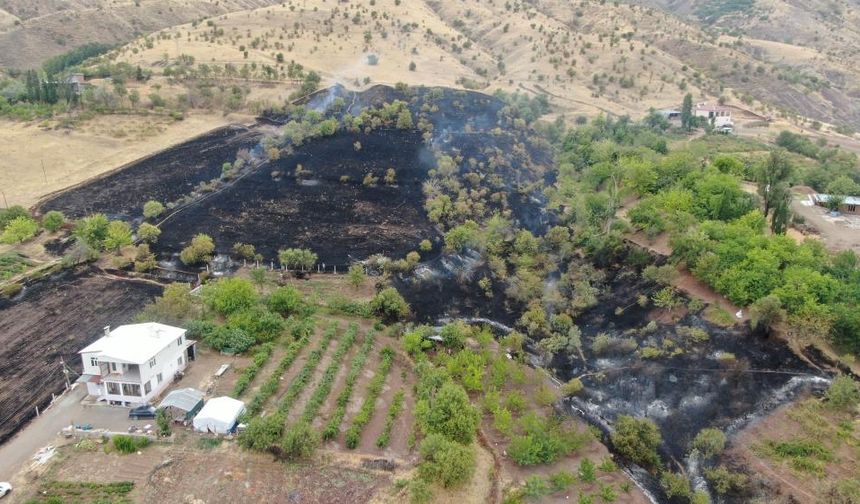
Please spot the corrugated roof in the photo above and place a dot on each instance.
(185, 399)
(134, 343)
(849, 200)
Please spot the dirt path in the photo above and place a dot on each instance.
(393, 383)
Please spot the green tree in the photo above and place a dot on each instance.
(710, 442)
(296, 258)
(286, 301)
(175, 306)
(356, 275)
(53, 220)
(152, 209)
(445, 461)
(637, 439)
(148, 232)
(448, 412)
(389, 304)
(299, 441)
(19, 230)
(229, 295)
(687, 118)
(766, 313)
(199, 251)
(843, 393)
(263, 432)
(777, 169)
(259, 322)
(93, 230)
(404, 119)
(118, 236)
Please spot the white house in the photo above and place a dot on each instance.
(720, 117)
(134, 363)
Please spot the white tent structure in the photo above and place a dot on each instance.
(219, 415)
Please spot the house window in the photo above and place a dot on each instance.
(113, 366)
(179, 341)
(113, 388)
(147, 388)
(158, 378)
(179, 360)
(131, 389)
(94, 362)
(152, 363)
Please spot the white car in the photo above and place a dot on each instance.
(5, 488)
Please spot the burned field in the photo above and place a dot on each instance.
(165, 176)
(326, 208)
(51, 319)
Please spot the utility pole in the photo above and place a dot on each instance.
(5, 204)
(45, 173)
(65, 373)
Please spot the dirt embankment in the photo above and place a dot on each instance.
(51, 320)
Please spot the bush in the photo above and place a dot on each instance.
(286, 301)
(152, 209)
(118, 236)
(262, 432)
(448, 412)
(229, 295)
(445, 461)
(258, 322)
(7, 215)
(229, 340)
(300, 441)
(129, 444)
(544, 441)
(843, 393)
(725, 481)
(199, 251)
(389, 305)
(53, 220)
(709, 442)
(637, 439)
(19, 230)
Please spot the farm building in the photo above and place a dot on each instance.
(719, 116)
(182, 404)
(134, 363)
(219, 415)
(850, 204)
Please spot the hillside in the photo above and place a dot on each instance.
(587, 57)
(31, 32)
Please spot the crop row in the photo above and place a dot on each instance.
(353, 434)
(271, 386)
(333, 425)
(259, 360)
(301, 380)
(324, 388)
(393, 410)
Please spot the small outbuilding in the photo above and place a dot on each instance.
(219, 415)
(182, 404)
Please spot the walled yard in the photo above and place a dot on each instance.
(53, 319)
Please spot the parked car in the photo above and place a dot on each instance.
(5, 488)
(145, 411)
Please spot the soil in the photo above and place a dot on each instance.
(50, 320)
(163, 177)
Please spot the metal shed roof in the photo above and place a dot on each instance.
(185, 399)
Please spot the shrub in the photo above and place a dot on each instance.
(163, 421)
(229, 295)
(709, 442)
(53, 220)
(637, 439)
(19, 230)
(587, 471)
(148, 233)
(199, 251)
(129, 444)
(262, 432)
(258, 322)
(7, 215)
(676, 486)
(299, 441)
(389, 305)
(543, 441)
(843, 393)
(144, 259)
(152, 209)
(445, 461)
(725, 481)
(356, 275)
(448, 412)
(285, 301)
(229, 340)
(454, 334)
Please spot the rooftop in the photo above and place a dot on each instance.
(134, 343)
(849, 200)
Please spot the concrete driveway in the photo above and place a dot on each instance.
(17, 453)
